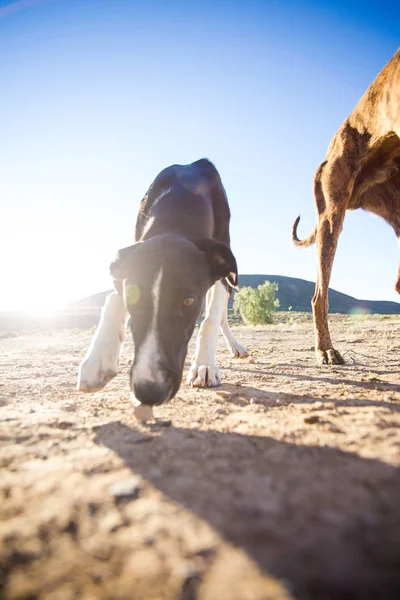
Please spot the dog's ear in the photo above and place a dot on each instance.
(221, 262)
(119, 266)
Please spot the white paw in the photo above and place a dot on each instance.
(203, 376)
(100, 365)
(238, 351)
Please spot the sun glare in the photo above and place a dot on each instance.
(46, 272)
(40, 304)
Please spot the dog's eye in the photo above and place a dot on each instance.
(189, 302)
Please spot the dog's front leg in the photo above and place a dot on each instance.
(101, 361)
(236, 349)
(204, 371)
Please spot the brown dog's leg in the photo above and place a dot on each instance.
(397, 286)
(326, 247)
(333, 186)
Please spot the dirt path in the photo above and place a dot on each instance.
(283, 483)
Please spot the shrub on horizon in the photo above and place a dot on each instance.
(256, 306)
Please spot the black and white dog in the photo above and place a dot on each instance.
(180, 258)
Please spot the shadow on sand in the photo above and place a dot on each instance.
(367, 385)
(324, 520)
(269, 397)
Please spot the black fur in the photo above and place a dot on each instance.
(182, 232)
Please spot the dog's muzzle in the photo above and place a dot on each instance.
(154, 393)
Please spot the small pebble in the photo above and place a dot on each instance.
(257, 401)
(143, 413)
(126, 489)
(312, 419)
(223, 394)
(252, 361)
(64, 424)
(164, 422)
(318, 404)
(69, 406)
(333, 428)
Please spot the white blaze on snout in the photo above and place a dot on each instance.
(148, 358)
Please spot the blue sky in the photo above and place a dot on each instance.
(98, 96)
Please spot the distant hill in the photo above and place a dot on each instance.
(292, 292)
(297, 293)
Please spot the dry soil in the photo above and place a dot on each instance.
(283, 483)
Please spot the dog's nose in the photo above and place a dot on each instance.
(150, 393)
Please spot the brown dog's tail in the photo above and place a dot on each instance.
(303, 243)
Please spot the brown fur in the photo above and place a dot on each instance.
(361, 170)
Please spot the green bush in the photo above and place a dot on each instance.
(256, 306)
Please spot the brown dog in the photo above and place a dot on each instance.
(361, 170)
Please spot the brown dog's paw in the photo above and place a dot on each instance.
(329, 357)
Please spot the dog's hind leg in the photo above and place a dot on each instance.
(203, 371)
(332, 195)
(397, 286)
(101, 361)
(397, 231)
(324, 350)
(236, 349)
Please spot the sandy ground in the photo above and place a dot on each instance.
(282, 483)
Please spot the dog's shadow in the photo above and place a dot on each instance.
(325, 520)
(279, 372)
(268, 398)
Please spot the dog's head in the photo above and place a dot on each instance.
(164, 281)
